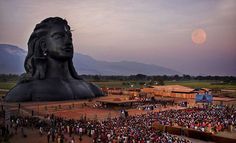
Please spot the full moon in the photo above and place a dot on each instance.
(199, 36)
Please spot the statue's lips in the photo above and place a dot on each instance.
(68, 48)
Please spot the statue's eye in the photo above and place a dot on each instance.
(59, 35)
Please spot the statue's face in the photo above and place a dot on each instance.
(59, 43)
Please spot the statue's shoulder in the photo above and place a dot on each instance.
(21, 92)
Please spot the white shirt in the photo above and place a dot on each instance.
(80, 130)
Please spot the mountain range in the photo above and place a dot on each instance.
(12, 61)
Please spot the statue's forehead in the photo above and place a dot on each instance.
(59, 28)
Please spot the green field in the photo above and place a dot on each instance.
(7, 85)
(109, 84)
(138, 84)
(192, 84)
(120, 84)
(202, 84)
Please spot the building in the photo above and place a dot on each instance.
(123, 91)
(175, 91)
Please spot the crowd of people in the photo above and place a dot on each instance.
(132, 129)
(208, 119)
(149, 107)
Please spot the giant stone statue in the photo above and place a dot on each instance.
(50, 74)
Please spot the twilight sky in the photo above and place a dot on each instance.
(148, 31)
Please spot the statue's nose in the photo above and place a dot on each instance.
(68, 37)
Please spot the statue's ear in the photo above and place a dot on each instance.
(43, 47)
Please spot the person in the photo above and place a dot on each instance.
(49, 66)
(59, 139)
(80, 133)
(72, 140)
(48, 136)
(41, 131)
(53, 136)
(23, 132)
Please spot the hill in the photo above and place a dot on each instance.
(12, 61)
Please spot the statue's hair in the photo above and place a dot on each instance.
(35, 62)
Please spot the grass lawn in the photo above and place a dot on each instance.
(115, 84)
(192, 84)
(7, 85)
(202, 84)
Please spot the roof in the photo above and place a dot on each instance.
(174, 88)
